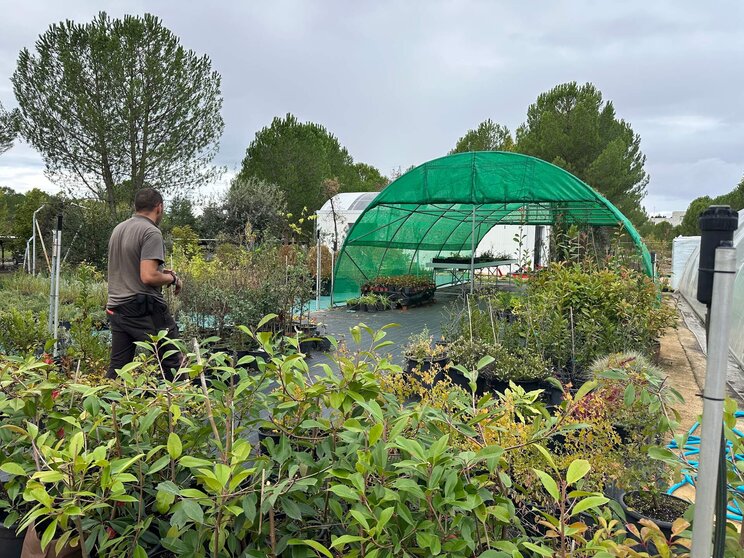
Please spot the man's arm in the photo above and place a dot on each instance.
(150, 274)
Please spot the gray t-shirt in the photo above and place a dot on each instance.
(132, 241)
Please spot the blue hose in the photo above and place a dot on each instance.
(692, 447)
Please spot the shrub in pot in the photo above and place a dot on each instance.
(423, 355)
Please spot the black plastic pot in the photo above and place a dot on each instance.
(267, 434)
(634, 517)
(10, 543)
(416, 367)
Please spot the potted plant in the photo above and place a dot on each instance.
(423, 355)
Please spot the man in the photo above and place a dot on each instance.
(136, 307)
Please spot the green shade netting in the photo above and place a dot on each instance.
(449, 204)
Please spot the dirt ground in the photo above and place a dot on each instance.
(684, 362)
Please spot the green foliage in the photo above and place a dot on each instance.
(22, 332)
(8, 128)
(120, 467)
(239, 287)
(255, 210)
(569, 315)
(690, 225)
(516, 364)
(488, 136)
(421, 347)
(572, 127)
(179, 212)
(116, 104)
(298, 157)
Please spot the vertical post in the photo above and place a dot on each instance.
(472, 252)
(333, 273)
(27, 257)
(713, 397)
(56, 281)
(716, 275)
(537, 250)
(34, 227)
(52, 280)
(318, 264)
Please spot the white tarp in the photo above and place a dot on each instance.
(683, 248)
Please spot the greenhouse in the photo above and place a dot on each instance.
(688, 288)
(449, 204)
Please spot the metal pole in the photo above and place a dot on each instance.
(52, 279)
(472, 253)
(317, 264)
(333, 263)
(27, 257)
(56, 282)
(33, 227)
(713, 397)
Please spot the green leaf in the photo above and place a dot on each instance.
(193, 511)
(584, 389)
(266, 319)
(663, 454)
(139, 552)
(188, 461)
(48, 534)
(577, 470)
(629, 395)
(158, 465)
(483, 362)
(385, 516)
(346, 539)
(48, 476)
(344, 492)
(549, 483)
(13, 469)
(312, 544)
(174, 446)
(375, 433)
(541, 550)
(590, 502)
(546, 455)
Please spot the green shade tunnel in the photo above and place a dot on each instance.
(449, 204)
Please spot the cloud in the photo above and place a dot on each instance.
(399, 83)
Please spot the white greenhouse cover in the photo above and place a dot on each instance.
(688, 288)
(683, 248)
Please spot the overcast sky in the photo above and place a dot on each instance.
(399, 82)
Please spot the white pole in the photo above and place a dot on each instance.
(56, 283)
(714, 394)
(52, 279)
(318, 265)
(33, 236)
(333, 263)
(27, 257)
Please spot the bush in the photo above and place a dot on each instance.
(23, 333)
(131, 465)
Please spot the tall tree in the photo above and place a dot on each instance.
(119, 101)
(8, 128)
(572, 127)
(298, 157)
(255, 207)
(690, 225)
(488, 136)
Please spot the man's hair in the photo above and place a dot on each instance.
(147, 199)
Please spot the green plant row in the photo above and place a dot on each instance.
(344, 464)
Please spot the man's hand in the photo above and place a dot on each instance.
(178, 284)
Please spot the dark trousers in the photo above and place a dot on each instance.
(129, 325)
